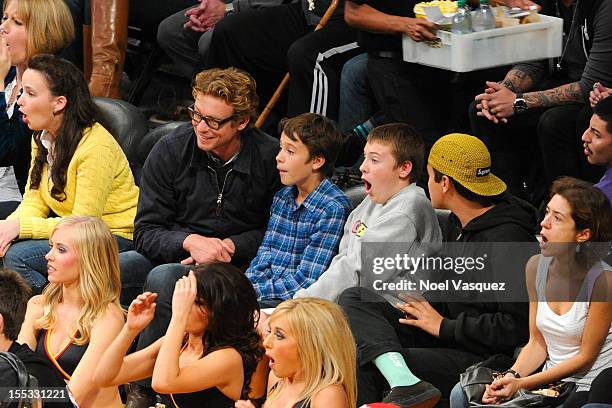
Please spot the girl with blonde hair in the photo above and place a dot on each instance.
(312, 356)
(78, 314)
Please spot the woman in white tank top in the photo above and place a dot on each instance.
(570, 309)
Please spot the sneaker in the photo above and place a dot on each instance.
(139, 396)
(419, 395)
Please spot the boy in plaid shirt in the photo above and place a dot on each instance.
(307, 217)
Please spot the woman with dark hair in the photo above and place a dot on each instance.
(211, 354)
(29, 27)
(78, 168)
(570, 309)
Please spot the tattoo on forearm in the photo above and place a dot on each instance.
(517, 80)
(508, 85)
(564, 94)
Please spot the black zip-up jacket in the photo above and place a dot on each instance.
(15, 139)
(490, 327)
(180, 195)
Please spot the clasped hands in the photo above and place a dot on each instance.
(204, 16)
(598, 93)
(203, 249)
(496, 103)
(501, 389)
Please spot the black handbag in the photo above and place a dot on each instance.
(476, 377)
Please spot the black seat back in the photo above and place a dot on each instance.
(125, 122)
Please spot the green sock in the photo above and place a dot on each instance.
(362, 130)
(394, 369)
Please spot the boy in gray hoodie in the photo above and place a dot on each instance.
(395, 209)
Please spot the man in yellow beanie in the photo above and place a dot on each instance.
(417, 344)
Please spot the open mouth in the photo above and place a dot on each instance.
(368, 186)
(587, 151)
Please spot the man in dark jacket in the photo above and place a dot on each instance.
(536, 106)
(420, 348)
(205, 192)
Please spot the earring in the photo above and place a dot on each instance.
(578, 248)
(54, 112)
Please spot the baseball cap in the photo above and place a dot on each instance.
(466, 159)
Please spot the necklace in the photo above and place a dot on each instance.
(571, 31)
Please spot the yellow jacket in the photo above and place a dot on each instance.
(99, 183)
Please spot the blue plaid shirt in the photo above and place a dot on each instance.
(300, 242)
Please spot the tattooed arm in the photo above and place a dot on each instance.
(561, 95)
(522, 77)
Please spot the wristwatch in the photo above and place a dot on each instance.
(520, 105)
(514, 373)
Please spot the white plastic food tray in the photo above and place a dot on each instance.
(490, 48)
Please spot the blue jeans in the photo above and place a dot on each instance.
(597, 405)
(458, 398)
(28, 259)
(356, 100)
(134, 270)
(161, 280)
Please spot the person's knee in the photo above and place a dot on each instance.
(301, 55)
(170, 29)
(162, 278)
(134, 267)
(224, 27)
(11, 258)
(354, 78)
(19, 253)
(356, 68)
(457, 397)
(204, 43)
(350, 296)
(547, 124)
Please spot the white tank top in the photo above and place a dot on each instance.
(563, 333)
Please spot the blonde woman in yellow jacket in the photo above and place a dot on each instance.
(77, 169)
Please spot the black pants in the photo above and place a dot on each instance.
(268, 42)
(541, 145)
(600, 392)
(411, 93)
(375, 326)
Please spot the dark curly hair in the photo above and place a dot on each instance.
(231, 305)
(63, 79)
